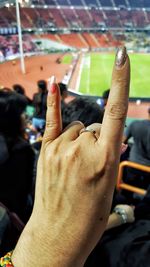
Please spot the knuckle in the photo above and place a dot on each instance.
(51, 124)
(121, 81)
(108, 162)
(51, 103)
(50, 153)
(117, 111)
(72, 153)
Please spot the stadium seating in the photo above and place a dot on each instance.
(58, 18)
(142, 3)
(72, 15)
(121, 3)
(62, 2)
(91, 3)
(107, 3)
(9, 45)
(91, 39)
(67, 17)
(84, 17)
(6, 17)
(73, 39)
(76, 3)
(85, 40)
(125, 186)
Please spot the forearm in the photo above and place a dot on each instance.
(33, 247)
(114, 221)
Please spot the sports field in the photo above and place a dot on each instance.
(96, 69)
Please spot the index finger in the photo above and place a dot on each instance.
(117, 105)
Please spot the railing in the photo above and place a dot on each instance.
(125, 186)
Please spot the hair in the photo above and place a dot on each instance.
(42, 85)
(19, 89)
(105, 94)
(63, 88)
(82, 109)
(12, 106)
(148, 110)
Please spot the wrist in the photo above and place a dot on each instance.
(122, 213)
(35, 244)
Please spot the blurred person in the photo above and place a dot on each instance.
(103, 100)
(65, 97)
(82, 109)
(20, 90)
(39, 103)
(16, 155)
(127, 239)
(105, 96)
(73, 196)
(63, 92)
(139, 151)
(140, 131)
(124, 243)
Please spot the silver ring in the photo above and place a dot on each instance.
(87, 130)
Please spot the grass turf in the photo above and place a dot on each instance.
(67, 59)
(97, 69)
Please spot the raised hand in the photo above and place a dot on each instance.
(76, 176)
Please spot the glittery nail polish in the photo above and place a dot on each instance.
(121, 56)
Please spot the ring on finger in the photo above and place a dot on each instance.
(85, 130)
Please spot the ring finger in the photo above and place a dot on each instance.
(94, 128)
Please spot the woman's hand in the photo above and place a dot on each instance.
(76, 176)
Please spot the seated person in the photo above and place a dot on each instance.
(82, 109)
(16, 155)
(139, 151)
(126, 239)
(40, 105)
(20, 90)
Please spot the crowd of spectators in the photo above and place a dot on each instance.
(128, 226)
(9, 46)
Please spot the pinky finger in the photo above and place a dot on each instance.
(53, 115)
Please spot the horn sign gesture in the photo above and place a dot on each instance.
(76, 176)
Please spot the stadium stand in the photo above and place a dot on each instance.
(77, 16)
(81, 26)
(73, 39)
(91, 39)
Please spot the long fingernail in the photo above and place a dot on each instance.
(52, 85)
(121, 56)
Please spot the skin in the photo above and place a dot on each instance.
(76, 176)
(115, 219)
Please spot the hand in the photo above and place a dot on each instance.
(76, 176)
(129, 210)
(123, 148)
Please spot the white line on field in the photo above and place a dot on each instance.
(79, 76)
(88, 64)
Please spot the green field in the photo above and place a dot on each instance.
(96, 72)
(67, 59)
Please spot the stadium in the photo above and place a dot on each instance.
(85, 33)
(75, 41)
